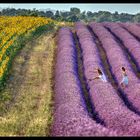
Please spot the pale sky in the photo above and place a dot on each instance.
(130, 8)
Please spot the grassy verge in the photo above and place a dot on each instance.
(26, 101)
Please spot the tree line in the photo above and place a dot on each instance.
(74, 15)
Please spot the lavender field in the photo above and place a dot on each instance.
(96, 108)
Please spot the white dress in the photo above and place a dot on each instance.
(103, 78)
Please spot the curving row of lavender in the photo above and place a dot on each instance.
(129, 41)
(109, 106)
(70, 115)
(134, 29)
(117, 59)
(138, 24)
(131, 27)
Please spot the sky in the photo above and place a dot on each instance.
(130, 8)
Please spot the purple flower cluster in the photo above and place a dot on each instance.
(129, 41)
(107, 103)
(70, 116)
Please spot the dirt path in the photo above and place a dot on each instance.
(27, 105)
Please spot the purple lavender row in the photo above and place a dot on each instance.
(133, 28)
(70, 116)
(107, 103)
(138, 24)
(129, 41)
(117, 60)
(114, 52)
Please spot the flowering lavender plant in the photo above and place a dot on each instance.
(107, 103)
(70, 115)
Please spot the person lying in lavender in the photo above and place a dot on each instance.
(124, 81)
(100, 76)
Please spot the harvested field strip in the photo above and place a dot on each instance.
(31, 112)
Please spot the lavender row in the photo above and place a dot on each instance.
(115, 57)
(114, 52)
(115, 115)
(131, 27)
(135, 30)
(138, 24)
(129, 41)
(70, 116)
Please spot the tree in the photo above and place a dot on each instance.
(75, 11)
(57, 15)
(83, 16)
(136, 18)
(124, 17)
(42, 13)
(115, 17)
(73, 18)
(102, 16)
(35, 14)
(65, 15)
(74, 15)
(89, 14)
(49, 14)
